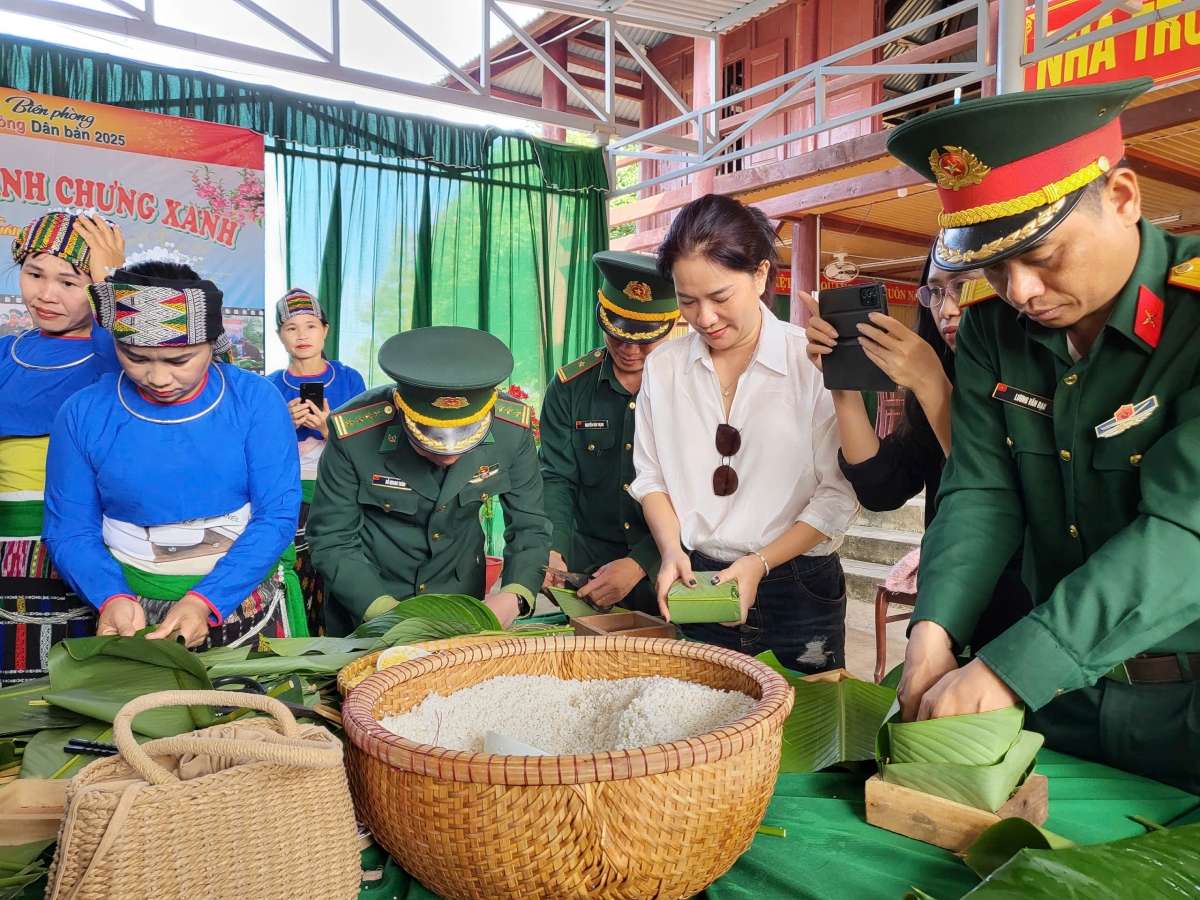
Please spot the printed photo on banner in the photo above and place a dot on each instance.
(181, 190)
(14, 317)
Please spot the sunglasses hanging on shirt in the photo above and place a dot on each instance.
(729, 442)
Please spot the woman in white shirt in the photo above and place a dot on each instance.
(736, 447)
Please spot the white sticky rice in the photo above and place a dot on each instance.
(567, 717)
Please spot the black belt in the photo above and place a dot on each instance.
(1163, 668)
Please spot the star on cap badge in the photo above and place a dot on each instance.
(451, 403)
(956, 168)
(639, 291)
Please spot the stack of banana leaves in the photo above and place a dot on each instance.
(45, 723)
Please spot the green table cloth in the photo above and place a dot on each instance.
(831, 853)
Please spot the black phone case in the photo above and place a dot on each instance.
(847, 367)
(314, 391)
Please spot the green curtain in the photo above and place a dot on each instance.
(398, 221)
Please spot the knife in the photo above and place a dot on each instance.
(575, 580)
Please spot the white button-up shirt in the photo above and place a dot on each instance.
(787, 466)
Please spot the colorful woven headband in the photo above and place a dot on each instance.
(55, 234)
(158, 312)
(297, 302)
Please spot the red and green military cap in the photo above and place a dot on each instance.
(1010, 168)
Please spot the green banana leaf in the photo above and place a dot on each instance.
(831, 722)
(976, 740)
(44, 756)
(18, 717)
(96, 676)
(982, 786)
(1002, 841)
(318, 645)
(420, 628)
(1161, 865)
(445, 607)
(21, 866)
(265, 667)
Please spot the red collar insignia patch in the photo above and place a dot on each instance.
(1147, 320)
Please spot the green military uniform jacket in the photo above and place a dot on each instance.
(385, 521)
(587, 466)
(1111, 526)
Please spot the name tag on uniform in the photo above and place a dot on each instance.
(1024, 399)
(590, 424)
(484, 473)
(1126, 417)
(388, 482)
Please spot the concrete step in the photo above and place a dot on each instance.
(863, 579)
(885, 546)
(909, 517)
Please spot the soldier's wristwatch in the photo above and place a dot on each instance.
(523, 607)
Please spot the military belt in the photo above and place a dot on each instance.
(1158, 668)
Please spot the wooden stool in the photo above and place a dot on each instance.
(882, 598)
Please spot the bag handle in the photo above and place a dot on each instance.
(291, 750)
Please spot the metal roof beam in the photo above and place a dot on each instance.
(747, 12)
(653, 23)
(549, 62)
(143, 27)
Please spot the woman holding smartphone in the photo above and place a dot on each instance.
(736, 447)
(886, 473)
(313, 386)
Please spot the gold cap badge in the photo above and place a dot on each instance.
(956, 168)
(451, 403)
(639, 291)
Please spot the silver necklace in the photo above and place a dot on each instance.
(25, 365)
(198, 415)
(725, 390)
(296, 387)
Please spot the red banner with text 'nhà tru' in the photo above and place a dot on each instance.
(1168, 50)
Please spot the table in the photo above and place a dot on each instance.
(831, 853)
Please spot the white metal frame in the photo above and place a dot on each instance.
(710, 152)
(1047, 44)
(129, 21)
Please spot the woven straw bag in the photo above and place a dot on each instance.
(134, 829)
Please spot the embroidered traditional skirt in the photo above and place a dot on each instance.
(37, 610)
(261, 615)
(312, 582)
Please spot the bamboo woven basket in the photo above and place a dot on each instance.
(657, 822)
(353, 675)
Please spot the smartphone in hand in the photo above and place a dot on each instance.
(314, 392)
(847, 367)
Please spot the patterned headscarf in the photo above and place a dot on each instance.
(53, 233)
(158, 312)
(297, 302)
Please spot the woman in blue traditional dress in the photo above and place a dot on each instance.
(303, 327)
(40, 368)
(173, 488)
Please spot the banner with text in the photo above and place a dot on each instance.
(1167, 47)
(180, 184)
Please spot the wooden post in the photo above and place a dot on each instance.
(554, 92)
(805, 266)
(703, 69)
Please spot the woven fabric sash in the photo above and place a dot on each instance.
(174, 587)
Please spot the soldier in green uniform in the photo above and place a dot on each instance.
(587, 438)
(395, 510)
(1076, 425)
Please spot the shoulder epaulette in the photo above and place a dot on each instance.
(1186, 275)
(581, 365)
(514, 411)
(353, 421)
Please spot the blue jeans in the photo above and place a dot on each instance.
(800, 613)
